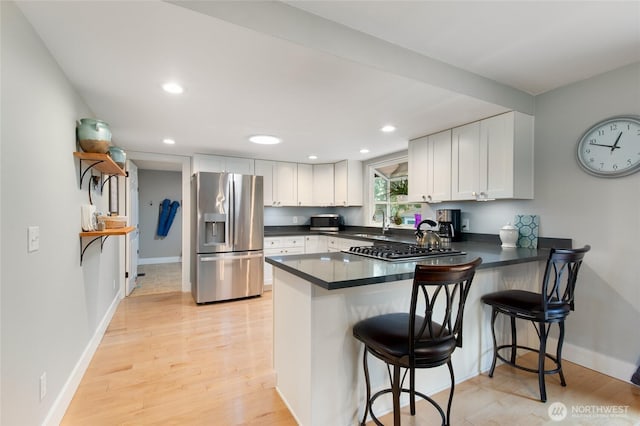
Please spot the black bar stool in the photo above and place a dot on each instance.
(434, 336)
(551, 305)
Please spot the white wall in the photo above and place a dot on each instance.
(154, 186)
(51, 307)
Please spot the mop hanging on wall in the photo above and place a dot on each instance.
(168, 212)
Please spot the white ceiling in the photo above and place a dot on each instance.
(322, 75)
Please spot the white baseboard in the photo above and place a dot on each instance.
(60, 405)
(601, 363)
(157, 260)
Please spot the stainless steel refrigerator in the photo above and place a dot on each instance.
(227, 236)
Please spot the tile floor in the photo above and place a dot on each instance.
(158, 278)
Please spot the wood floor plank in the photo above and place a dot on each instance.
(166, 361)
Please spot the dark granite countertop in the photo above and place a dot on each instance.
(340, 270)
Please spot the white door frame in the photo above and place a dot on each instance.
(131, 257)
(185, 165)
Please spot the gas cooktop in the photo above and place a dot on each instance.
(401, 252)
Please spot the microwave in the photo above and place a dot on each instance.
(326, 222)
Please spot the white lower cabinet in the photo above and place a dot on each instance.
(315, 244)
(339, 244)
(280, 245)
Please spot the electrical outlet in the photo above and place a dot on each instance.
(43, 386)
(295, 219)
(465, 225)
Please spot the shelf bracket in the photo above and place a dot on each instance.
(107, 180)
(89, 167)
(84, 247)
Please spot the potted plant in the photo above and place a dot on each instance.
(399, 189)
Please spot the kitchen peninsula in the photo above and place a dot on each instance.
(319, 297)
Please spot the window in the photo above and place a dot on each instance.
(390, 183)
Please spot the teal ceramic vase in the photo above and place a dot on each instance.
(118, 156)
(93, 135)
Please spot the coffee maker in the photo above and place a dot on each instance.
(449, 226)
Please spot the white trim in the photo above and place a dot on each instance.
(157, 260)
(60, 405)
(601, 363)
(185, 163)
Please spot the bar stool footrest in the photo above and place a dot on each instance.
(521, 367)
(389, 390)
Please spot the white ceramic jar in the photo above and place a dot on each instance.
(509, 236)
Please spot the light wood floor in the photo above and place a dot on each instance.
(158, 278)
(166, 361)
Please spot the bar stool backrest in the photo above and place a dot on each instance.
(443, 289)
(561, 273)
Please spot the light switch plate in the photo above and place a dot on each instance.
(33, 238)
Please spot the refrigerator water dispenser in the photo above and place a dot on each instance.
(215, 228)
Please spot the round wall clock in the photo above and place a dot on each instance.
(611, 148)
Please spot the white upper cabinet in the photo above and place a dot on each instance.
(348, 183)
(323, 186)
(305, 185)
(493, 158)
(285, 183)
(217, 163)
(265, 169)
(280, 182)
(465, 166)
(430, 168)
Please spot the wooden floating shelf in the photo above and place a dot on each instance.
(108, 232)
(105, 163)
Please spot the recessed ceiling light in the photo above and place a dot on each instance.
(364, 151)
(313, 157)
(265, 139)
(173, 88)
(169, 141)
(388, 128)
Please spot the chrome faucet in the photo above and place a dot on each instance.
(385, 225)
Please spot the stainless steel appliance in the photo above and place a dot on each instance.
(326, 222)
(401, 252)
(449, 226)
(227, 236)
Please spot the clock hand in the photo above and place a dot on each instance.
(607, 146)
(615, 145)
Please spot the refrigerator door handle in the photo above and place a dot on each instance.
(234, 257)
(232, 211)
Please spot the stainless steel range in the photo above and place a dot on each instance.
(401, 252)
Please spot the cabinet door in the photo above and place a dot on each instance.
(323, 185)
(340, 185)
(305, 185)
(348, 190)
(497, 146)
(208, 163)
(418, 169)
(315, 244)
(439, 177)
(285, 184)
(465, 164)
(243, 166)
(265, 169)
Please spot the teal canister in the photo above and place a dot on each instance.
(93, 135)
(118, 156)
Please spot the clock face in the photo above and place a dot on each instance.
(611, 148)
